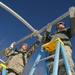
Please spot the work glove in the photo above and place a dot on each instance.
(12, 45)
(46, 38)
(40, 39)
(71, 10)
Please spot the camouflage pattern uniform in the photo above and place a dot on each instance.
(18, 59)
(65, 35)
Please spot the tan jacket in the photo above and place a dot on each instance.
(18, 59)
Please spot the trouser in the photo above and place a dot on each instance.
(61, 68)
(11, 72)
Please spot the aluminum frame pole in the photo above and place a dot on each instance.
(17, 16)
(54, 22)
(1, 61)
(23, 21)
(19, 41)
(27, 24)
(71, 12)
(24, 38)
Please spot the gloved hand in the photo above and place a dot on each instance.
(71, 10)
(12, 45)
(45, 37)
(40, 39)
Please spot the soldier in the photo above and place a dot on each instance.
(64, 34)
(18, 58)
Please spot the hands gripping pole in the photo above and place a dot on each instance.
(29, 26)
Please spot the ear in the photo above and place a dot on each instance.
(57, 27)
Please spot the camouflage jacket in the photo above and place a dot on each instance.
(18, 59)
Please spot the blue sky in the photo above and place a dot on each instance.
(38, 13)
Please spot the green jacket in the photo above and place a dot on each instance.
(63, 34)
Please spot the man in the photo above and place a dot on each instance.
(64, 34)
(18, 58)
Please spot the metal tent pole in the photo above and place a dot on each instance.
(17, 16)
(29, 26)
(23, 21)
(24, 38)
(54, 22)
(71, 12)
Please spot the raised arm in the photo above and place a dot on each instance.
(32, 49)
(72, 26)
(8, 51)
(46, 38)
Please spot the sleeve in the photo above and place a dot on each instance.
(72, 26)
(8, 52)
(32, 49)
(68, 32)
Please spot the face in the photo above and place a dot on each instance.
(61, 26)
(24, 47)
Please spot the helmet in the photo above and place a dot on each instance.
(60, 23)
